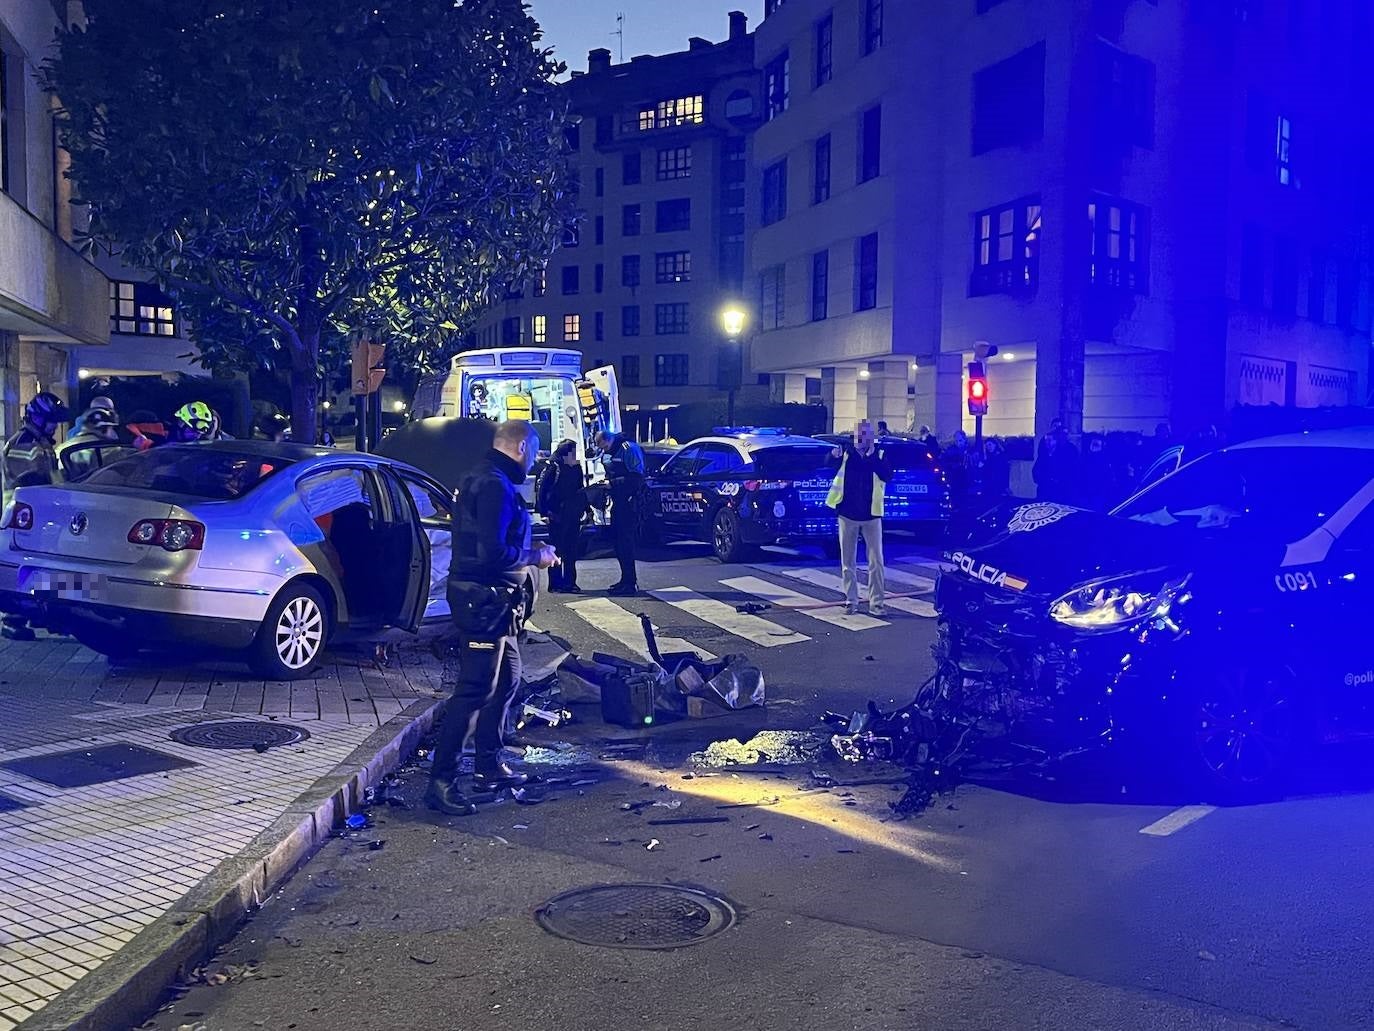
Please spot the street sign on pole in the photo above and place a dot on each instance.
(368, 371)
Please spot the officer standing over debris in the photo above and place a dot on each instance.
(30, 459)
(625, 471)
(491, 554)
(856, 495)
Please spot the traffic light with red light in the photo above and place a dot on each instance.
(977, 389)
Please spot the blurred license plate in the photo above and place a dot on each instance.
(910, 488)
(60, 584)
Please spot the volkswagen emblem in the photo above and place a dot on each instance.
(79, 524)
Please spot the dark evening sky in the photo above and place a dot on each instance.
(573, 27)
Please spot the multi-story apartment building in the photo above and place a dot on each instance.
(63, 318)
(1153, 209)
(51, 298)
(661, 148)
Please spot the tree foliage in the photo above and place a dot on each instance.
(297, 170)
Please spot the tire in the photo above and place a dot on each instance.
(727, 543)
(293, 635)
(1240, 734)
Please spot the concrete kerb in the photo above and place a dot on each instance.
(133, 982)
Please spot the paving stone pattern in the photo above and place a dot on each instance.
(84, 869)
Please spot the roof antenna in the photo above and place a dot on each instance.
(619, 33)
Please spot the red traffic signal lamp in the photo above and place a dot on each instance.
(367, 366)
(977, 389)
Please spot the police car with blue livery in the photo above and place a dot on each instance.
(744, 487)
(1221, 613)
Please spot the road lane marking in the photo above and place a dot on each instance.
(896, 575)
(614, 621)
(783, 598)
(831, 582)
(1177, 820)
(759, 631)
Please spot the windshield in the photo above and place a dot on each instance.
(1279, 493)
(190, 470)
(792, 462)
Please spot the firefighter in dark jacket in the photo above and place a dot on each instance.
(30, 459)
(625, 473)
(857, 495)
(492, 554)
(561, 498)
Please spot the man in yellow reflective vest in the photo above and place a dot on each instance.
(856, 495)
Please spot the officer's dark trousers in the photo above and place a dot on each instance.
(488, 677)
(625, 527)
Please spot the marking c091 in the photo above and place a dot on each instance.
(1300, 581)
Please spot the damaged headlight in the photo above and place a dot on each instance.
(1112, 604)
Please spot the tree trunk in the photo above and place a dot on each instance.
(305, 387)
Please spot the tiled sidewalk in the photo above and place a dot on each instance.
(84, 868)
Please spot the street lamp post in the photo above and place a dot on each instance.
(732, 320)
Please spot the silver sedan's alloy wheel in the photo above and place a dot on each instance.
(299, 633)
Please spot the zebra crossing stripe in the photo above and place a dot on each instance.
(614, 621)
(897, 575)
(784, 598)
(752, 628)
(831, 582)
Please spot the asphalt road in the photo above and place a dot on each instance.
(1023, 904)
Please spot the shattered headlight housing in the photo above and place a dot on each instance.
(1118, 602)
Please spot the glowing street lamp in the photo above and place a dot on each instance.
(732, 319)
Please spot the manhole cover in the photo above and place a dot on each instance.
(239, 734)
(83, 767)
(636, 916)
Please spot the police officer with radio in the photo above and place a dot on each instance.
(492, 553)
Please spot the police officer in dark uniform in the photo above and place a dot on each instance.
(491, 555)
(30, 459)
(624, 460)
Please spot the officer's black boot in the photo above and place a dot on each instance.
(444, 796)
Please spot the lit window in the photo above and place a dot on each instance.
(572, 329)
(141, 309)
(540, 329)
(669, 114)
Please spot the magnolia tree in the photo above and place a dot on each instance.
(294, 171)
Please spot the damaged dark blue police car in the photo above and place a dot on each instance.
(1222, 612)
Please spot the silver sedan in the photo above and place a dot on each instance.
(272, 550)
